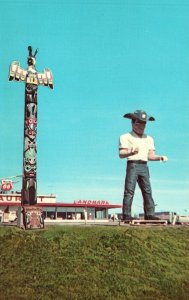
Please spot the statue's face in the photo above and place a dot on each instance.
(138, 127)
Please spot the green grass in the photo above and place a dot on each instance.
(95, 263)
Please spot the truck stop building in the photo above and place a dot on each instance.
(78, 210)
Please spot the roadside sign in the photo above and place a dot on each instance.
(6, 185)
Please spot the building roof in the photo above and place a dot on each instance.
(50, 201)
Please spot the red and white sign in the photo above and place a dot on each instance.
(7, 198)
(6, 185)
(15, 198)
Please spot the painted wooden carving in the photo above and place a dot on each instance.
(32, 80)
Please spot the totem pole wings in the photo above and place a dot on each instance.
(30, 76)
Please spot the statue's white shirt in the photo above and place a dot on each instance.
(131, 141)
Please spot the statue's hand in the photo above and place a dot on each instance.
(135, 150)
(164, 158)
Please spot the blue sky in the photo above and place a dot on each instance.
(108, 57)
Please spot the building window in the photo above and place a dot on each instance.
(100, 213)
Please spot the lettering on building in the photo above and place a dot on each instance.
(92, 202)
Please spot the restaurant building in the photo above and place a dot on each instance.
(53, 210)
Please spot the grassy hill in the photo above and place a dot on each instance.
(97, 262)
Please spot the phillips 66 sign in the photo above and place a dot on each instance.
(6, 185)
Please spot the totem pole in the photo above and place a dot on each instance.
(32, 79)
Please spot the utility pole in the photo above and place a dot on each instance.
(32, 80)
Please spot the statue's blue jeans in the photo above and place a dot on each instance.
(138, 172)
